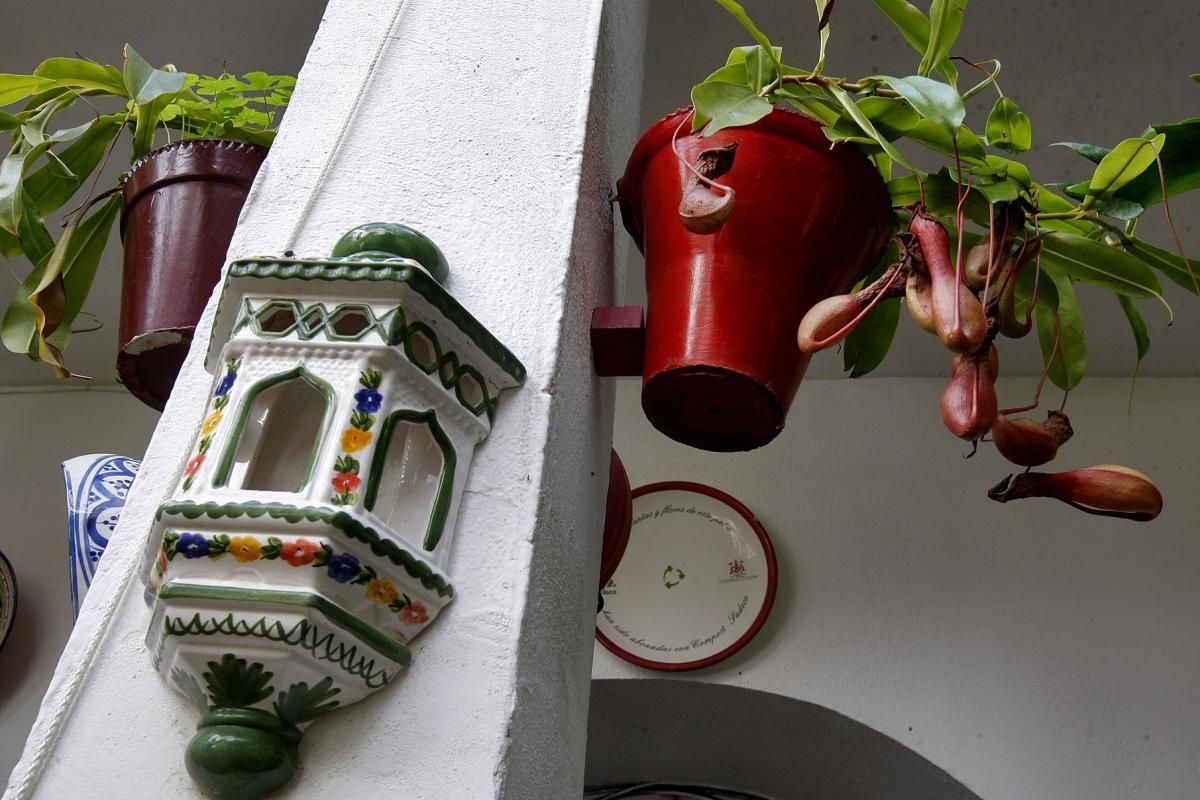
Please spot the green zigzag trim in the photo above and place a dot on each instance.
(415, 567)
(303, 634)
(415, 277)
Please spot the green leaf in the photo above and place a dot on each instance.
(152, 90)
(1100, 265)
(1180, 163)
(81, 74)
(938, 139)
(891, 116)
(1196, 77)
(909, 20)
(914, 26)
(145, 84)
(49, 189)
(1091, 152)
(723, 105)
(868, 344)
(81, 258)
(863, 122)
(1049, 202)
(932, 99)
(823, 33)
(17, 87)
(760, 71)
(301, 704)
(730, 73)
(1181, 167)
(940, 196)
(1167, 262)
(1008, 127)
(999, 168)
(1070, 362)
(1126, 161)
(945, 22)
(737, 12)
(1141, 337)
(12, 185)
(1003, 191)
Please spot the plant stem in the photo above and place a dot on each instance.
(841, 83)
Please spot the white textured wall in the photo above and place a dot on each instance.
(1028, 649)
(461, 135)
(40, 428)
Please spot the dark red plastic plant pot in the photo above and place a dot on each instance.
(618, 518)
(181, 204)
(721, 363)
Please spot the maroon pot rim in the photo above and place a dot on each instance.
(217, 160)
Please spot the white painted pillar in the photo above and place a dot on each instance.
(495, 129)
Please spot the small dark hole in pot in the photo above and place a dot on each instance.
(716, 411)
(277, 320)
(350, 323)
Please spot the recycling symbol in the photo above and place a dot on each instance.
(671, 572)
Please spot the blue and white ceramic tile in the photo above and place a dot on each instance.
(97, 486)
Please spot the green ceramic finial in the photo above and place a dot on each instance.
(380, 240)
(242, 753)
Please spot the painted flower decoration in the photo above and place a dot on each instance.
(346, 482)
(414, 614)
(368, 400)
(245, 548)
(343, 568)
(354, 439)
(226, 384)
(211, 423)
(193, 465)
(192, 545)
(382, 591)
(299, 552)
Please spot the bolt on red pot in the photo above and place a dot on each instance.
(181, 204)
(721, 364)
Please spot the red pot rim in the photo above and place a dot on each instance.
(784, 122)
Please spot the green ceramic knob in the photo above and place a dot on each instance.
(380, 240)
(242, 753)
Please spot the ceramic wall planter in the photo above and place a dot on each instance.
(721, 365)
(306, 542)
(97, 486)
(181, 204)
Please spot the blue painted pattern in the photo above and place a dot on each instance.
(97, 486)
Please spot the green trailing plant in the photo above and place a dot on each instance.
(48, 169)
(982, 250)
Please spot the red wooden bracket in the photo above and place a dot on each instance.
(618, 341)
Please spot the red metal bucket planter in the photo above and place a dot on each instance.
(721, 364)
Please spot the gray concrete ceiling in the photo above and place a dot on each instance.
(268, 35)
(1095, 71)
